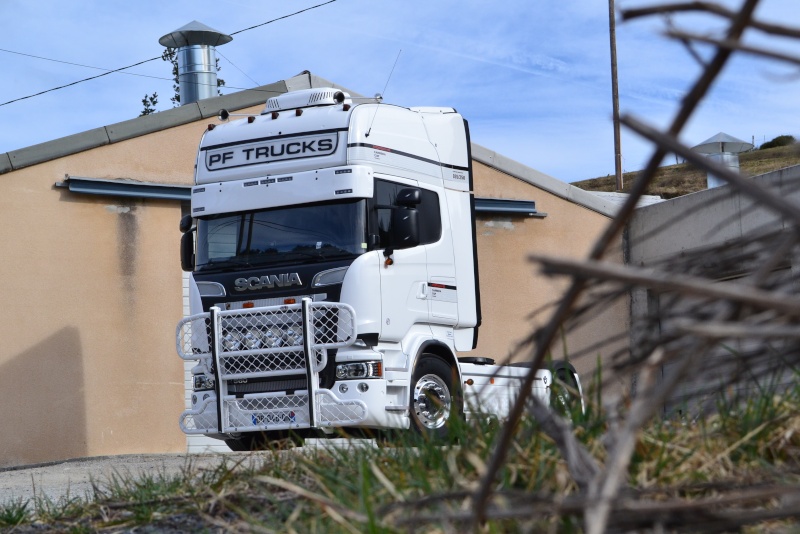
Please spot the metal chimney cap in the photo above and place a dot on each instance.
(194, 33)
(722, 143)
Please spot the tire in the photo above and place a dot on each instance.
(260, 441)
(435, 398)
(244, 443)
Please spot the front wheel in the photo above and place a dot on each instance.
(435, 397)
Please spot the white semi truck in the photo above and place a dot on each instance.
(333, 274)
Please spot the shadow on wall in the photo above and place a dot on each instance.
(43, 414)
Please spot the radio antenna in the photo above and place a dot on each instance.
(379, 96)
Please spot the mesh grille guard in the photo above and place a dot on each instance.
(237, 346)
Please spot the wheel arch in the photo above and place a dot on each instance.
(558, 365)
(437, 348)
(443, 367)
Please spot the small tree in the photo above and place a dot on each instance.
(149, 102)
(171, 55)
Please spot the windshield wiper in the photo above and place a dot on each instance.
(325, 252)
(316, 257)
(221, 264)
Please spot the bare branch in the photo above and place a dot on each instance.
(605, 487)
(665, 282)
(661, 9)
(686, 37)
(737, 330)
(709, 7)
(687, 43)
(580, 463)
(544, 338)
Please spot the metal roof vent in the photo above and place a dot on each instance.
(723, 149)
(197, 59)
(320, 96)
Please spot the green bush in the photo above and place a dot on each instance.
(781, 140)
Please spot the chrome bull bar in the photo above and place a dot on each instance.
(268, 342)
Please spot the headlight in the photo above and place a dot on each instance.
(329, 278)
(252, 339)
(232, 341)
(346, 371)
(272, 337)
(255, 338)
(293, 337)
(202, 382)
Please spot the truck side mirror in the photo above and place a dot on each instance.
(187, 251)
(186, 223)
(405, 228)
(408, 197)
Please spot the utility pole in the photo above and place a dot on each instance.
(612, 33)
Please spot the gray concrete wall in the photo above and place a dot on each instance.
(705, 218)
(673, 229)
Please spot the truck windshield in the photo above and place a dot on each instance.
(296, 234)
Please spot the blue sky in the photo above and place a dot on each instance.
(532, 77)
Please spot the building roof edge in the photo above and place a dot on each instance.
(136, 127)
(543, 181)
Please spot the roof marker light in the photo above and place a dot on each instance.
(275, 115)
(298, 112)
(346, 107)
(251, 120)
(211, 127)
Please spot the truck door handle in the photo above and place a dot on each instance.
(422, 294)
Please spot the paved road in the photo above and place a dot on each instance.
(74, 478)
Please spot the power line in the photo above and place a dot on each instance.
(77, 82)
(119, 70)
(285, 16)
(237, 68)
(58, 60)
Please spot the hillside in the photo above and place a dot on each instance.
(676, 180)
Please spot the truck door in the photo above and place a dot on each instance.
(404, 277)
(442, 289)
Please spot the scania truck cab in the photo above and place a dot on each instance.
(333, 273)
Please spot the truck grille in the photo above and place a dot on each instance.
(267, 385)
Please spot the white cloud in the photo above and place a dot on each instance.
(531, 77)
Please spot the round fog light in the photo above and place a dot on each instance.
(343, 388)
(363, 387)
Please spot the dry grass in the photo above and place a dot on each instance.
(685, 475)
(677, 180)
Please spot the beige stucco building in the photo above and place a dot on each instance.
(93, 289)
